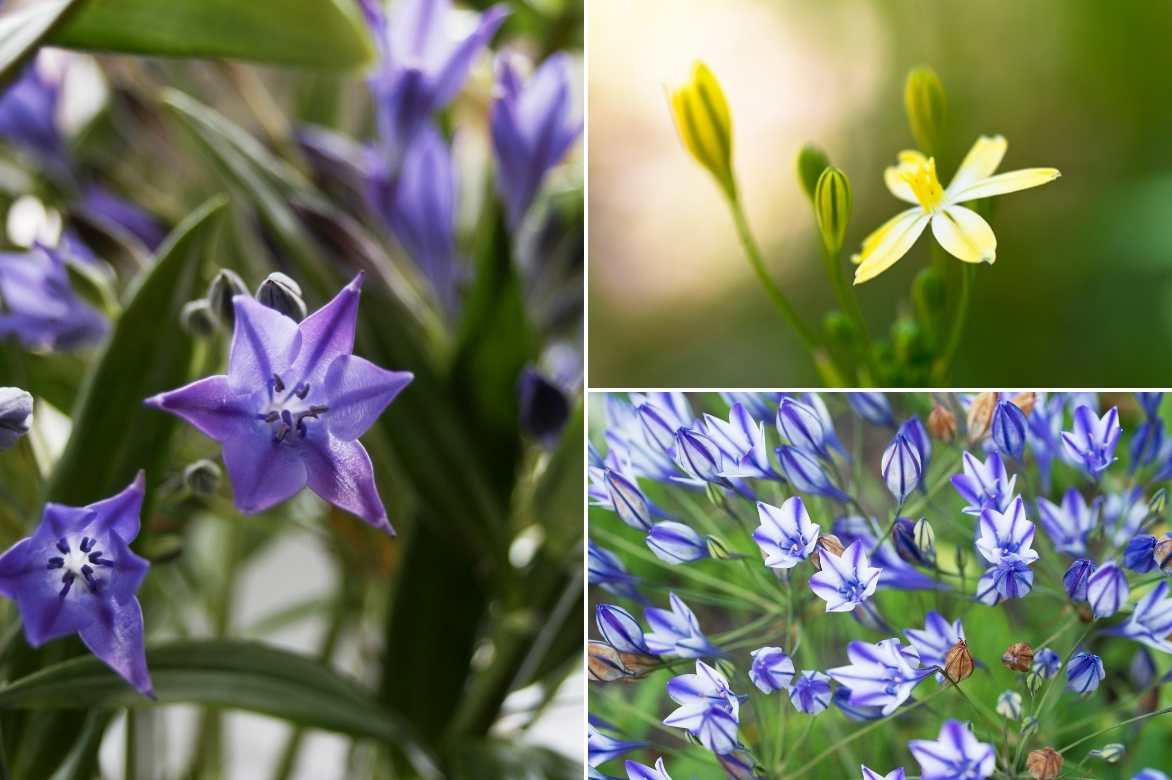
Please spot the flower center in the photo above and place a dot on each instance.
(80, 561)
(925, 185)
(287, 411)
(851, 590)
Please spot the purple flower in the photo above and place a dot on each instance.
(872, 407)
(786, 535)
(601, 747)
(637, 771)
(620, 629)
(708, 709)
(935, 640)
(1124, 515)
(1078, 578)
(628, 500)
(901, 468)
(676, 543)
(29, 110)
(810, 692)
(880, 675)
(871, 774)
(1142, 670)
(1009, 429)
(1009, 578)
(39, 307)
(676, 631)
(77, 574)
(845, 581)
(903, 538)
(1046, 663)
(1091, 445)
(604, 569)
(659, 425)
(984, 485)
(1068, 525)
(1045, 428)
(534, 123)
(1150, 403)
(16, 411)
(896, 572)
(955, 755)
(119, 215)
(772, 669)
(806, 474)
(917, 435)
(1150, 623)
(292, 406)
(1147, 444)
(842, 700)
(1107, 590)
(741, 442)
(1006, 535)
(1084, 672)
(760, 405)
(801, 426)
(698, 456)
(543, 407)
(1150, 774)
(1140, 555)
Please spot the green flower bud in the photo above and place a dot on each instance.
(726, 667)
(1033, 682)
(704, 123)
(1029, 726)
(1158, 502)
(226, 286)
(281, 293)
(928, 293)
(202, 478)
(715, 493)
(907, 338)
(832, 207)
(719, 550)
(811, 162)
(925, 539)
(197, 319)
(923, 97)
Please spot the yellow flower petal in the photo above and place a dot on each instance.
(876, 236)
(909, 162)
(1004, 183)
(980, 162)
(898, 237)
(965, 234)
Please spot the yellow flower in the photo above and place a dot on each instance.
(704, 123)
(961, 231)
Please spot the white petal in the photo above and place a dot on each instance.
(898, 236)
(1004, 183)
(965, 234)
(980, 162)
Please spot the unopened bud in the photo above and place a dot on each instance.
(16, 414)
(718, 550)
(942, 424)
(923, 98)
(1111, 753)
(1029, 726)
(1158, 502)
(281, 293)
(831, 544)
(226, 286)
(1009, 705)
(832, 207)
(1019, 657)
(704, 123)
(981, 415)
(1163, 554)
(202, 478)
(1034, 682)
(925, 540)
(197, 319)
(726, 667)
(958, 662)
(840, 329)
(1044, 764)
(604, 663)
(811, 162)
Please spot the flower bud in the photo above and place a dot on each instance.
(197, 319)
(1158, 502)
(925, 540)
(806, 474)
(832, 208)
(840, 329)
(1009, 705)
(928, 293)
(697, 456)
(1044, 764)
(718, 550)
(981, 415)
(961, 558)
(16, 413)
(1019, 657)
(226, 286)
(1111, 753)
(1107, 590)
(655, 426)
(1033, 682)
(923, 98)
(1077, 578)
(604, 663)
(1046, 663)
(1029, 726)
(704, 123)
(542, 405)
(1142, 670)
(628, 500)
(800, 425)
(901, 468)
(281, 293)
(676, 543)
(811, 162)
(942, 424)
(831, 544)
(907, 337)
(620, 629)
(202, 478)
(958, 662)
(903, 536)
(1009, 430)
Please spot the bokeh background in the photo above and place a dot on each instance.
(1081, 293)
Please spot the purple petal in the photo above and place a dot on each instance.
(14, 566)
(116, 637)
(449, 80)
(328, 333)
(358, 392)
(264, 343)
(341, 473)
(211, 406)
(120, 514)
(264, 472)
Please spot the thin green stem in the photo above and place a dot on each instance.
(849, 302)
(943, 366)
(1118, 725)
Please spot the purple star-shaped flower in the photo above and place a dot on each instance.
(637, 771)
(1091, 445)
(871, 774)
(810, 692)
(786, 535)
(1151, 621)
(76, 574)
(292, 406)
(677, 631)
(955, 755)
(1070, 523)
(846, 580)
(29, 110)
(984, 485)
(709, 708)
(935, 640)
(882, 674)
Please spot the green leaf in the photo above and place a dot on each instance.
(224, 673)
(309, 33)
(22, 30)
(114, 435)
(498, 758)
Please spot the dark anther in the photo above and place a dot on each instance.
(271, 417)
(87, 544)
(56, 563)
(63, 546)
(87, 571)
(96, 557)
(68, 580)
(301, 390)
(278, 385)
(287, 418)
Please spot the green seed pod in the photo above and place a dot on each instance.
(832, 207)
(226, 286)
(1158, 502)
(197, 319)
(811, 162)
(202, 478)
(923, 97)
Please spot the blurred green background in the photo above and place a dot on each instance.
(1081, 294)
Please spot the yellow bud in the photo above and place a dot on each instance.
(923, 97)
(832, 207)
(702, 119)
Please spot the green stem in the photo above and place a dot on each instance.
(850, 304)
(1118, 725)
(943, 366)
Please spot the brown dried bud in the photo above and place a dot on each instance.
(604, 663)
(1044, 764)
(1163, 554)
(831, 544)
(981, 415)
(942, 424)
(1019, 657)
(1025, 402)
(958, 662)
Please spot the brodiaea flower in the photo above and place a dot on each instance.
(961, 231)
(76, 574)
(1003, 534)
(292, 406)
(786, 535)
(1107, 590)
(984, 485)
(1084, 672)
(1092, 443)
(1068, 524)
(1151, 620)
(708, 708)
(772, 669)
(955, 755)
(845, 581)
(935, 640)
(637, 771)
(676, 631)
(881, 674)
(40, 308)
(810, 692)
(871, 774)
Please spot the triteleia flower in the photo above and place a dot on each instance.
(704, 123)
(534, 124)
(801, 426)
(882, 674)
(1150, 403)
(1069, 524)
(984, 485)
(962, 232)
(807, 474)
(628, 501)
(674, 542)
(620, 629)
(1091, 445)
(1140, 554)
(1009, 578)
(676, 631)
(16, 412)
(637, 771)
(1107, 590)
(810, 692)
(842, 700)
(786, 534)
(908, 547)
(1009, 705)
(1009, 429)
(815, 402)
(120, 216)
(1147, 444)
(916, 433)
(30, 112)
(901, 468)
(1124, 514)
(659, 425)
(606, 570)
(935, 640)
(40, 309)
(1142, 670)
(1150, 774)
(1078, 578)
(1046, 663)
(601, 747)
(845, 581)
(77, 574)
(698, 456)
(761, 405)
(1006, 534)
(292, 406)
(955, 755)
(741, 441)
(872, 407)
(1084, 672)
(708, 708)
(1150, 623)
(772, 669)
(871, 774)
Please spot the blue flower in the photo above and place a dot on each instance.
(1078, 578)
(1007, 579)
(698, 456)
(637, 771)
(741, 442)
(16, 412)
(760, 405)
(872, 407)
(1142, 670)
(1150, 403)
(1150, 774)
(604, 569)
(955, 755)
(772, 669)
(903, 538)
(842, 700)
(1006, 535)
(738, 765)
(896, 572)
(1046, 663)
(1150, 623)
(659, 425)
(1147, 444)
(1045, 429)
(786, 535)
(1009, 429)
(1140, 555)
(1068, 525)
(845, 581)
(601, 747)
(801, 426)
(629, 444)
(620, 629)
(29, 110)
(917, 435)
(815, 402)
(984, 485)
(935, 640)
(39, 307)
(1091, 445)
(901, 468)
(628, 501)
(708, 709)
(871, 774)
(810, 692)
(676, 543)
(1124, 515)
(677, 632)
(76, 574)
(806, 474)
(882, 674)
(1084, 672)
(1107, 590)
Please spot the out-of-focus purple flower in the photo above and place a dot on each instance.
(1009, 429)
(1084, 672)
(1142, 670)
(1006, 534)
(637, 771)
(881, 674)
(1046, 663)
(842, 700)
(741, 442)
(29, 112)
(760, 405)
(1150, 774)
(935, 640)
(815, 402)
(604, 569)
(800, 425)
(628, 442)
(954, 755)
(534, 123)
(739, 765)
(1107, 590)
(1091, 445)
(674, 542)
(676, 631)
(786, 534)
(896, 572)
(1009, 705)
(77, 574)
(620, 629)
(772, 669)
(708, 709)
(871, 774)
(16, 412)
(1147, 444)
(806, 474)
(292, 406)
(1070, 523)
(1045, 430)
(423, 65)
(984, 485)
(903, 539)
(39, 308)
(601, 747)
(1124, 515)
(116, 214)
(542, 404)
(901, 468)
(1150, 403)
(1078, 578)
(810, 692)
(845, 581)
(628, 501)
(872, 407)
(1150, 623)
(659, 425)
(698, 456)
(1140, 555)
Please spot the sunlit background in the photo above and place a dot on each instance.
(1081, 293)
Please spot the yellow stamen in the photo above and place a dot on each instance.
(923, 181)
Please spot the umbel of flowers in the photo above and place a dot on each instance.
(982, 595)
